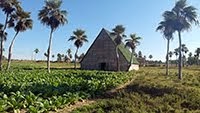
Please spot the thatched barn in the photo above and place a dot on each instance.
(102, 55)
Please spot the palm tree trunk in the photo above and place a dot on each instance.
(1, 42)
(10, 51)
(133, 51)
(167, 59)
(118, 65)
(75, 58)
(49, 51)
(180, 57)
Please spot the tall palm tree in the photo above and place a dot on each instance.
(132, 43)
(79, 38)
(183, 16)
(8, 7)
(118, 31)
(3, 34)
(23, 22)
(167, 30)
(52, 16)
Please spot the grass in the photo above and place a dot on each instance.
(28, 65)
(150, 92)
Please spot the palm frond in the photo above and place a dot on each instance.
(119, 29)
(72, 38)
(1, 26)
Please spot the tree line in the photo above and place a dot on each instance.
(51, 15)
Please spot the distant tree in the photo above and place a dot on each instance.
(53, 56)
(69, 53)
(67, 59)
(118, 31)
(132, 43)
(145, 57)
(197, 51)
(192, 60)
(52, 16)
(170, 54)
(184, 50)
(150, 57)
(59, 57)
(36, 51)
(176, 52)
(140, 54)
(81, 57)
(79, 38)
(190, 54)
(9, 7)
(182, 16)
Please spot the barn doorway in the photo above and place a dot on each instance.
(103, 66)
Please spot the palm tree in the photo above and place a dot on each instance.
(140, 54)
(166, 29)
(182, 16)
(118, 31)
(59, 57)
(132, 43)
(69, 51)
(150, 57)
(52, 16)
(184, 50)
(8, 7)
(197, 51)
(79, 38)
(23, 22)
(190, 54)
(52, 57)
(3, 35)
(170, 55)
(36, 51)
(176, 52)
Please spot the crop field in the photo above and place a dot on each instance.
(31, 89)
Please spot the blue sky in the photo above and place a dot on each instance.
(138, 16)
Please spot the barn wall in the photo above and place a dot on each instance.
(103, 51)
